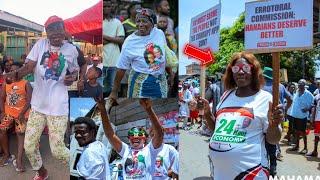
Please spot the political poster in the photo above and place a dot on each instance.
(204, 29)
(278, 25)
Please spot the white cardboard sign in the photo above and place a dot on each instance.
(278, 25)
(204, 29)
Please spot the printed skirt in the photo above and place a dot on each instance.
(142, 85)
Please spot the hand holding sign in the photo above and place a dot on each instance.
(275, 115)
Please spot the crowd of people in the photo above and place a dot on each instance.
(140, 51)
(234, 113)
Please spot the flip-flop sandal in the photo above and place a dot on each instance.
(9, 160)
(312, 154)
(14, 162)
(304, 151)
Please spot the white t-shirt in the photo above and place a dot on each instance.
(144, 54)
(237, 146)
(135, 163)
(141, 164)
(111, 51)
(93, 162)
(184, 106)
(164, 158)
(317, 101)
(50, 95)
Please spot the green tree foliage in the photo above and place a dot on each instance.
(299, 64)
(231, 41)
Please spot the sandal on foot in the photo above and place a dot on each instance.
(9, 160)
(312, 154)
(304, 151)
(14, 162)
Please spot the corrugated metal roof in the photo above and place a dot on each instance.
(20, 21)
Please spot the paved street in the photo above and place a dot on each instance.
(194, 158)
(55, 168)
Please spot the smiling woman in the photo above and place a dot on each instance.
(143, 54)
(243, 115)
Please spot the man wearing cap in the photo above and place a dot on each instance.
(301, 105)
(54, 63)
(274, 150)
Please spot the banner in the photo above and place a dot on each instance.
(278, 25)
(169, 121)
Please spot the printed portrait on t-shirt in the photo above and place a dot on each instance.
(159, 168)
(152, 56)
(53, 65)
(231, 128)
(135, 166)
(13, 97)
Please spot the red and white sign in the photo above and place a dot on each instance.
(278, 25)
(204, 29)
(169, 122)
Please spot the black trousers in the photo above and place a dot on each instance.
(271, 150)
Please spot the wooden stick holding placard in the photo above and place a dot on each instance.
(276, 78)
(203, 80)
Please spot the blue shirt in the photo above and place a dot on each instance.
(283, 93)
(301, 102)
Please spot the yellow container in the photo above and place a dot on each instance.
(285, 126)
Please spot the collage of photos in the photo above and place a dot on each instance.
(159, 90)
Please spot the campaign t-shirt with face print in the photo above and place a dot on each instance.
(50, 95)
(163, 159)
(144, 54)
(135, 163)
(237, 146)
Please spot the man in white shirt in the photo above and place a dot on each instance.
(54, 63)
(93, 162)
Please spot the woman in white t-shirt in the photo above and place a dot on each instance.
(243, 121)
(143, 53)
(139, 157)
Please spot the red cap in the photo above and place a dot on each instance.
(52, 19)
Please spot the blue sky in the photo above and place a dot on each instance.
(80, 107)
(230, 10)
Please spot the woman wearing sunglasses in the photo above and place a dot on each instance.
(143, 54)
(244, 119)
(139, 157)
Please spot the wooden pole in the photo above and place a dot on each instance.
(276, 77)
(203, 80)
